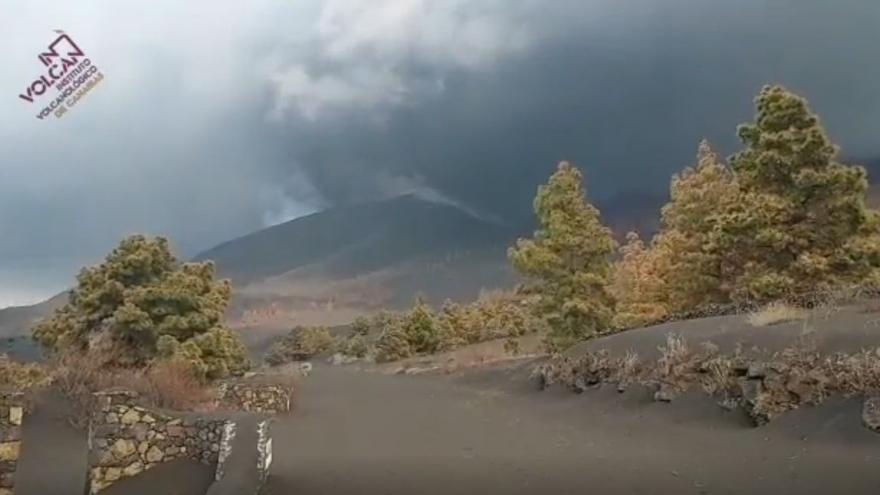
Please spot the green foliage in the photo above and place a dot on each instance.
(692, 268)
(141, 295)
(422, 331)
(361, 326)
(393, 344)
(302, 343)
(800, 223)
(567, 262)
(785, 220)
(415, 332)
(355, 346)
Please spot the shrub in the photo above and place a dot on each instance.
(421, 330)
(355, 346)
(301, 344)
(393, 344)
(22, 376)
(512, 347)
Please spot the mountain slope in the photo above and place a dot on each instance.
(330, 266)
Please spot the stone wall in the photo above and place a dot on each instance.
(11, 415)
(126, 439)
(260, 394)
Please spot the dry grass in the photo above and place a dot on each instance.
(775, 313)
(470, 356)
(164, 384)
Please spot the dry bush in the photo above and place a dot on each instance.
(778, 312)
(675, 369)
(765, 384)
(162, 384)
(591, 369)
(21, 376)
(512, 347)
(857, 374)
(167, 385)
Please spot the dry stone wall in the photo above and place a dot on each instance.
(260, 395)
(11, 416)
(126, 439)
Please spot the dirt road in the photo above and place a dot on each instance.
(366, 433)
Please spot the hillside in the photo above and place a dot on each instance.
(327, 267)
(17, 320)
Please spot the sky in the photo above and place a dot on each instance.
(215, 119)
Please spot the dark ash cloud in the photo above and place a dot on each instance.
(217, 119)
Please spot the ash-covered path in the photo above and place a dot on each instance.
(367, 433)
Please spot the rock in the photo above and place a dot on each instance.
(154, 454)
(580, 385)
(339, 359)
(123, 448)
(130, 417)
(15, 415)
(148, 419)
(112, 474)
(749, 390)
(111, 418)
(871, 414)
(140, 430)
(729, 403)
(142, 448)
(133, 469)
(175, 431)
(665, 394)
(9, 451)
(756, 370)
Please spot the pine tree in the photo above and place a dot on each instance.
(638, 285)
(567, 261)
(801, 223)
(141, 303)
(693, 269)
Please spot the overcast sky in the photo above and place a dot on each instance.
(216, 118)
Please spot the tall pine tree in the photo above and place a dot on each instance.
(567, 262)
(693, 270)
(801, 223)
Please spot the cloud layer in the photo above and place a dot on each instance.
(217, 118)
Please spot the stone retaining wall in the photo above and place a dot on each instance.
(256, 395)
(12, 409)
(126, 439)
